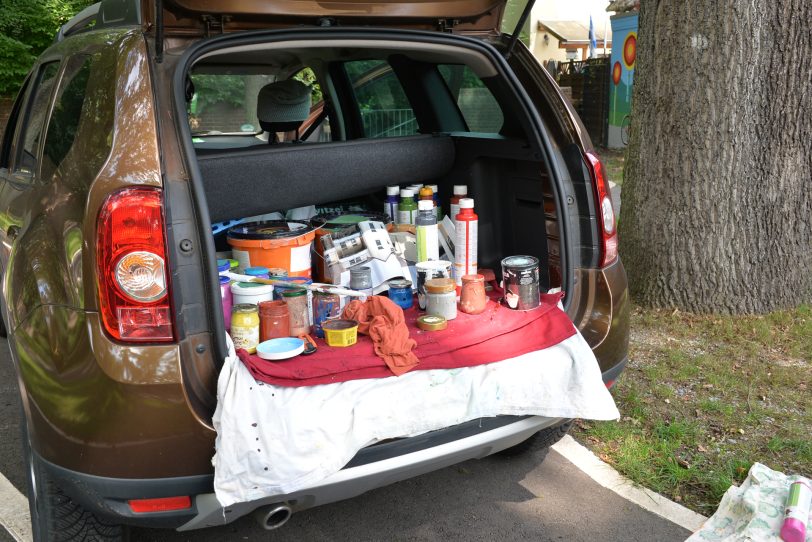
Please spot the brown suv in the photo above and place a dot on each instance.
(136, 132)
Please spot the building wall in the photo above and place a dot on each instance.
(579, 10)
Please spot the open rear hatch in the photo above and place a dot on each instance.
(184, 17)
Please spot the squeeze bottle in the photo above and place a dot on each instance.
(465, 244)
(428, 243)
(407, 207)
(460, 191)
(390, 204)
(435, 190)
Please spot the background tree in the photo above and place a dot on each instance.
(716, 214)
(26, 29)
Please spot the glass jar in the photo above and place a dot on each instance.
(296, 300)
(325, 306)
(473, 298)
(400, 291)
(245, 327)
(361, 279)
(441, 297)
(274, 320)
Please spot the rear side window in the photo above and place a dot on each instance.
(34, 119)
(11, 128)
(67, 113)
(477, 104)
(385, 110)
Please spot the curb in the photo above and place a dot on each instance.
(14, 513)
(606, 476)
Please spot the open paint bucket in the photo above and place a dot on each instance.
(274, 243)
(340, 332)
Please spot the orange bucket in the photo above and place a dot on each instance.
(273, 243)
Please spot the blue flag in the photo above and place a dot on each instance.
(593, 43)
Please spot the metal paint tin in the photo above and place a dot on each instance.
(520, 279)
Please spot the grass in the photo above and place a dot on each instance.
(704, 397)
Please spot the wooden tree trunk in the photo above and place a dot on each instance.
(717, 214)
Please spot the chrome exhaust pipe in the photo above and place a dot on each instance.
(273, 516)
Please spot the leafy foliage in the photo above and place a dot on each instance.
(28, 27)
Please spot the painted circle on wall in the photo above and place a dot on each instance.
(630, 49)
(617, 71)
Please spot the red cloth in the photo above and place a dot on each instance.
(497, 334)
(383, 320)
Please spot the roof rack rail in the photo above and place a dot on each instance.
(78, 22)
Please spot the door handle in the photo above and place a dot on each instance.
(12, 232)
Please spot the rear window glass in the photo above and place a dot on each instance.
(225, 103)
(477, 104)
(35, 118)
(385, 110)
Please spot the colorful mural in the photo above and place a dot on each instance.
(624, 54)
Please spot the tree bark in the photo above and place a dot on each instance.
(717, 214)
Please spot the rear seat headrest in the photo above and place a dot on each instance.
(283, 105)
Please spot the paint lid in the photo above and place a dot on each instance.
(460, 189)
(223, 266)
(224, 280)
(425, 205)
(251, 288)
(466, 203)
(406, 193)
(473, 278)
(400, 284)
(269, 229)
(520, 262)
(426, 192)
(434, 188)
(392, 190)
(233, 264)
(441, 286)
(431, 322)
(256, 271)
(294, 292)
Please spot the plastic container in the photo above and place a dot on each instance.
(259, 272)
(280, 348)
(390, 204)
(473, 298)
(251, 292)
(466, 223)
(435, 191)
(296, 300)
(325, 307)
(228, 300)
(274, 320)
(361, 279)
(340, 332)
(429, 270)
(441, 298)
(460, 191)
(520, 279)
(223, 266)
(274, 243)
(400, 291)
(428, 242)
(407, 208)
(431, 322)
(245, 327)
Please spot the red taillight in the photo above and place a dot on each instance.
(606, 213)
(164, 504)
(131, 261)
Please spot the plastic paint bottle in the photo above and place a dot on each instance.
(407, 207)
(797, 511)
(465, 244)
(390, 204)
(460, 191)
(426, 194)
(435, 191)
(428, 242)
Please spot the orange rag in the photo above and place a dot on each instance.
(381, 319)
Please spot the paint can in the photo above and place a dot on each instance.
(520, 279)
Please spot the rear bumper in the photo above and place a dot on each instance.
(373, 467)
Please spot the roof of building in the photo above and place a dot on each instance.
(573, 31)
(622, 6)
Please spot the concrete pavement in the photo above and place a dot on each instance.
(508, 499)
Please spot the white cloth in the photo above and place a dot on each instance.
(273, 440)
(753, 511)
